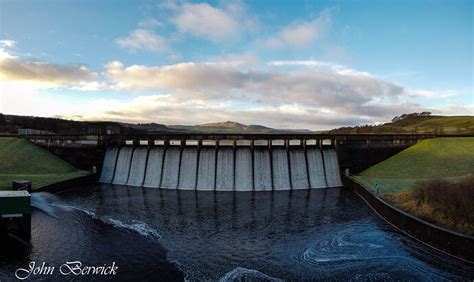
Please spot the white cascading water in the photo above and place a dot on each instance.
(206, 169)
(188, 168)
(243, 169)
(170, 176)
(153, 167)
(137, 168)
(281, 172)
(299, 174)
(262, 172)
(123, 165)
(223, 168)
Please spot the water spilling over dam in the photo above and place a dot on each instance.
(229, 166)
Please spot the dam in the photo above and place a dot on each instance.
(224, 165)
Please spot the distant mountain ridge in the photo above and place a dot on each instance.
(233, 127)
(10, 124)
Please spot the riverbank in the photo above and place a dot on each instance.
(451, 242)
(408, 178)
(20, 159)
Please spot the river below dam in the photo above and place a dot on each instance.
(162, 234)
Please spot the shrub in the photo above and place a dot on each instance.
(445, 203)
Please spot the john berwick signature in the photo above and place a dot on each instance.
(68, 268)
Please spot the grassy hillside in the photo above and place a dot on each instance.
(441, 158)
(418, 124)
(20, 159)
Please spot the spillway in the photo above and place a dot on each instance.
(281, 170)
(188, 169)
(137, 168)
(243, 169)
(122, 167)
(262, 172)
(153, 167)
(222, 168)
(317, 177)
(170, 176)
(206, 169)
(331, 168)
(225, 169)
(108, 167)
(299, 172)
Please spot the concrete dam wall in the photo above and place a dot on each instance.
(222, 168)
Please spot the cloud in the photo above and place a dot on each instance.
(7, 43)
(317, 86)
(145, 40)
(50, 75)
(212, 23)
(301, 35)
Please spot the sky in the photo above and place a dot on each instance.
(283, 64)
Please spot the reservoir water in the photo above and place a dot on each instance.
(165, 235)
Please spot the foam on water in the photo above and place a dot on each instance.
(44, 202)
(245, 274)
(135, 225)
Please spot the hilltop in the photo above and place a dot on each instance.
(231, 127)
(417, 123)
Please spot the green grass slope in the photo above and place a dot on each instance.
(20, 159)
(451, 159)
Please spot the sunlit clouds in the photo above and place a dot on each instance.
(179, 62)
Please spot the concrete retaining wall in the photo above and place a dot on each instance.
(451, 242)
(63, 185)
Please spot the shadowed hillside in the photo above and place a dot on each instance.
(21, 159)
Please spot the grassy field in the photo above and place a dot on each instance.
(451, 159)
(20, 159)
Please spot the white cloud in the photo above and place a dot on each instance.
(51, 75)
(301, 35)
(212, 23)
(145, 40)
(7, 43)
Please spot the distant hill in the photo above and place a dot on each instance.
(232, 127)
(417, 123)
(9, 124)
